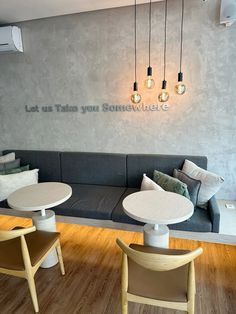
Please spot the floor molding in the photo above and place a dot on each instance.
(199, 236)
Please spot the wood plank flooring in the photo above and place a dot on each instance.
(92, 281)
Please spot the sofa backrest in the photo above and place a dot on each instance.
(138, 164)
(94, 168)
(47, 162)
(101, 168)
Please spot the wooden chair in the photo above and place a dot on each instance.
(23, 250)
(156, 276)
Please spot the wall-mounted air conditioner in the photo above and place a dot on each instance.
(228, 12)
(10, 39)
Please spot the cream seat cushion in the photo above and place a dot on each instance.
(148, 184)
(11, 182)
(210, 182)
(7, 158)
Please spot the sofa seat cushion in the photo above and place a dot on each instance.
(118, 214)
(90, 201)
(199, 222)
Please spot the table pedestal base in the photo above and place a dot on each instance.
(156, 235)
(46, 223)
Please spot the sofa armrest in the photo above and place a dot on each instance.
(214, 212)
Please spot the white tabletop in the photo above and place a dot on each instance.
(39, 196)
(158, 207)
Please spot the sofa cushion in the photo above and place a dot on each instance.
(118, 214)
(199, 222)
(94, 168)
(148, 184)
(7, 158)
(10, 183)
(10, 165)
(210, 182)
(15, 170)
(192, 184)
(47, 162)
(137, 164)
(170, 184)
(90, 201)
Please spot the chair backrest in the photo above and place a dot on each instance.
(158, 262)
(11, 234)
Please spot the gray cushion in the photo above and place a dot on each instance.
(138, 164)
(118, 214)
(199, 222)
(47, 162)
(192, 184)
(94, 168)
(91, 201)
(10, 165)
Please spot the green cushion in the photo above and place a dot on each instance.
(16, 170)
(170, 184)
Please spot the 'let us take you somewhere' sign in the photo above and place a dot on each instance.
(61, 108)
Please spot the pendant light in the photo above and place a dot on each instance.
(149, 82)
(180, 88)
(135, 97)
(164, 95)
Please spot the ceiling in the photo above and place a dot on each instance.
(22, 10)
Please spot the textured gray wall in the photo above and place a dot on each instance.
(87, 59)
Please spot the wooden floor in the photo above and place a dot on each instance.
(92, 280)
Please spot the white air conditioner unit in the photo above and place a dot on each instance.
(228, 12)
(10, 39)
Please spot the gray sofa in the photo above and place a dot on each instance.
(100, 182)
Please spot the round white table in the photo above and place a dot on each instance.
(39, 197)
(157, 209)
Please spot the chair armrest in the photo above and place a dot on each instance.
(214, 212)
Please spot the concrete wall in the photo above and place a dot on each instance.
(87, 59)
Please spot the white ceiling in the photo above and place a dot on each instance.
(22, 10)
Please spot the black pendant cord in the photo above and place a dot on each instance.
(181, 38)
(150, 33)
(165, 35)
(135, 40)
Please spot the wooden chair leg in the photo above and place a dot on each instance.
(60, 258)
(124, 304)
(191, 305)
(33, 293)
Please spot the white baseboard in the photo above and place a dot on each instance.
(199, 236)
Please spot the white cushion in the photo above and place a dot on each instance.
(11, 182)
(148, 184)
(7, 158)
(210, 182)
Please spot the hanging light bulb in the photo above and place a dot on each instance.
(149, 82)
(180, 87)
(164, 95)
(135, 97)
